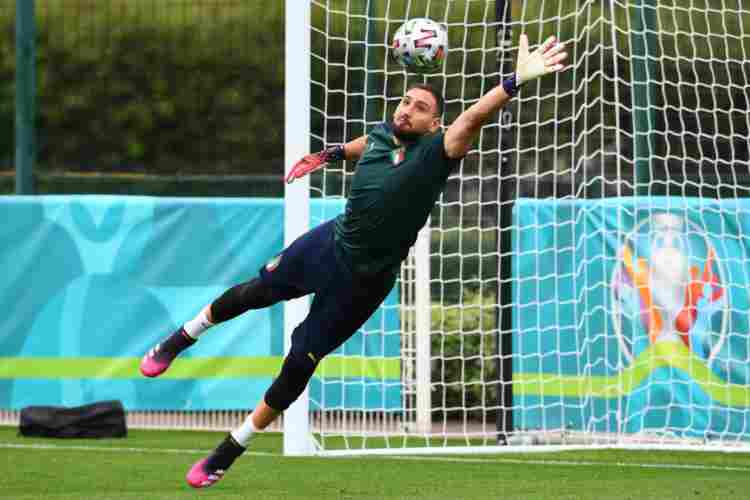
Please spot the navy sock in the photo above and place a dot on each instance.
(225, 454)
(177, 342)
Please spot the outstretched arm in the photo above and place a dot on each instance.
(547, 58)
(356, 148)
(350, 151)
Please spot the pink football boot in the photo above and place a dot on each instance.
(157, 360)
(207, 471)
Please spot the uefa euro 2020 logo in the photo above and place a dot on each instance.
(669, 286)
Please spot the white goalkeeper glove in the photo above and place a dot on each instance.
(547, 58)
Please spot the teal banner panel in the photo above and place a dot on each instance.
(631, 316)
(92, 282)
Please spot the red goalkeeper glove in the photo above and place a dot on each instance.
(314, 161)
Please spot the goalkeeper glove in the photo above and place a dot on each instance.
(547, 58)
(314, 161)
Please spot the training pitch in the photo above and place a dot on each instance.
(152, 465)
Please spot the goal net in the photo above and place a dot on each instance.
(583, 279)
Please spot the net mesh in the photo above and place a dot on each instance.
(586, 263)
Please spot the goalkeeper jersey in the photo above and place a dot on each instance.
(394, 188)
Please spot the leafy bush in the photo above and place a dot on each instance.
(166, 95)
(464, 351)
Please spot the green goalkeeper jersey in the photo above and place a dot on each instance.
(394, 188)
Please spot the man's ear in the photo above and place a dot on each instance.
(435, 125)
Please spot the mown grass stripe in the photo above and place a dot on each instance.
(397, 457)
(127, 449)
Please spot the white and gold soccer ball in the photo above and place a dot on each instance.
(420, 45)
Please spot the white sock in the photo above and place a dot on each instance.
(198, 325)
(244, 432)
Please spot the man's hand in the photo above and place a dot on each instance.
(547, 58)
(314, 161)
(306, 165)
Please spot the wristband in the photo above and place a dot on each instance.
(510, 85)
(334, 153)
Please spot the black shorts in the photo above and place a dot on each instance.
(343, 301)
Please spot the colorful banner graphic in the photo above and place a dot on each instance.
(631, 316)
(92, 282)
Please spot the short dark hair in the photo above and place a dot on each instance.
(435, 93)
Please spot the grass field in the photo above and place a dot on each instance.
(152, 465)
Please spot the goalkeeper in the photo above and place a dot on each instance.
(350, 263)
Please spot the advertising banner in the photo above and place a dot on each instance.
(91, 283)
(632, 315)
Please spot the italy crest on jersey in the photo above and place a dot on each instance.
(398, 155)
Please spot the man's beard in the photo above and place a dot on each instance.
(405, 136)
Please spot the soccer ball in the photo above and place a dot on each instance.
(420, 45)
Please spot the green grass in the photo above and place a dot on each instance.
(152, 465)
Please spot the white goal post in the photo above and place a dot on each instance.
(296, 195)
(583, 280)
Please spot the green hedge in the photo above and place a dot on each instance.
(464, 351)
(187, 87)
(126, 92)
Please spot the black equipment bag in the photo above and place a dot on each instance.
(104, 419)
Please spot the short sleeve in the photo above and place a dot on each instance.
(434, 154)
